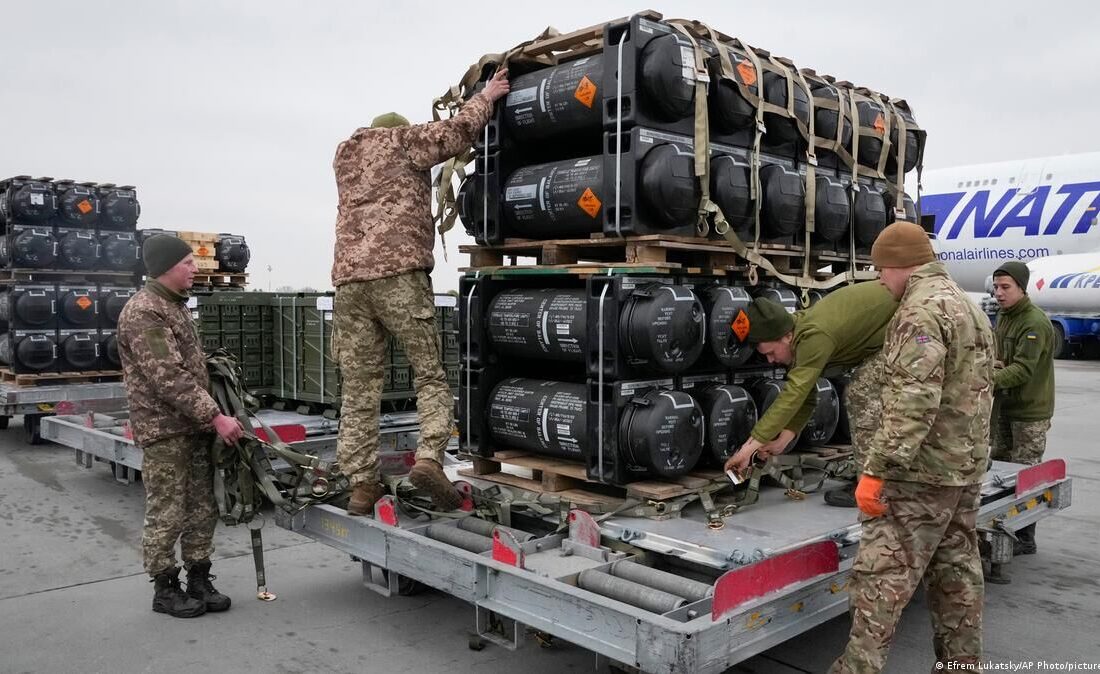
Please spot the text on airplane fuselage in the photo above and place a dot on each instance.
(992, 216)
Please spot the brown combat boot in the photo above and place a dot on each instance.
(427, 476)
(363, 497)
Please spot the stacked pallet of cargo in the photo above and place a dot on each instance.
(221, 258)
(641, 184)
(68, 264)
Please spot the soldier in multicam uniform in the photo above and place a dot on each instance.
(845, 329)
(383, 254)
(1023, 401)
(173, 419)
(921, 483)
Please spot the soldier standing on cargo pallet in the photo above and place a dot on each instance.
(844, 329)
(383, 254)
(1023, 400)
(173, 419)
(922, 477)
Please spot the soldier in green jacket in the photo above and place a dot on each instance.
(1023, 400)
(843, 330)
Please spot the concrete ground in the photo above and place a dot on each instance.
(73, 597)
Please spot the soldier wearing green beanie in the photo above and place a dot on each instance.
(1023, 382)
(173, 418)
(844, 330)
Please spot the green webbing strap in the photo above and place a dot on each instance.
(789, 470)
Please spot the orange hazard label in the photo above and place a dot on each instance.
(83, 303)
(880, 124)
(84, 207)
(203, 251)
(589, 202)
(747, 73)
(740, 325)
(585, 92)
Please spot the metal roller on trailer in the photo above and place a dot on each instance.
(659, 595)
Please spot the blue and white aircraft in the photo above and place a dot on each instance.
(1036, 209)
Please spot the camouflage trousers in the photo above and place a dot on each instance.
(1019, 441)
(863, 400)
(178, 475)
(366, 312)
(928, 532)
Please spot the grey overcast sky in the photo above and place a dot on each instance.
(226, 114)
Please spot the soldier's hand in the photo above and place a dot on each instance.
(742, 458)
(498, 86)
(228, 429)
(869, 496)
(779, 445)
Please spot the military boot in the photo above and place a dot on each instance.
(199, 587)
(428, 477)
(169, 598)
(363, 497)
(842, 497)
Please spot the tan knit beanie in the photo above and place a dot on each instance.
(902, 244)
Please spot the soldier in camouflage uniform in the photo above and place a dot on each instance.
(173, 419)
(1023, 402)
(843, 330)
(921, 484)
(383, 255)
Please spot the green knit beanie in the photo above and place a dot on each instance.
(768, 321)
(1018, 271)
(161, 252)
(388, 121)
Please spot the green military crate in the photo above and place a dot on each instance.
(231, 342)
(452, 370)
(211, 341)
(387, 380)
(402, 378)
(252, 340)
(252, 376)
(252, 356)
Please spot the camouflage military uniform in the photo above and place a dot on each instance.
(931, 451)
(164, 370)
(384, 242)
(863, 402)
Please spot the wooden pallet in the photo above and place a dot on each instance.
(198, 237)
(221, 280)
(570, 479)
(667, 254)
(54, 378)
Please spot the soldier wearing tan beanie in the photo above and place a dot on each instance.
(922, 477)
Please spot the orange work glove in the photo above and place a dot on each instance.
(869, 496)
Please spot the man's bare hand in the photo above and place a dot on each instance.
(740, 461)
(228, 429)
(777, 446)
(498, 87)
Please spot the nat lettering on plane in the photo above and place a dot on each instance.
(993, 213)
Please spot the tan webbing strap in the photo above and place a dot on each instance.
(899, 179)
(854, 187)
(702, 131)
(888, 125)
(811, 187)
